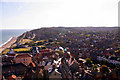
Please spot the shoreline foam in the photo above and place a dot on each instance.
(8, 43)
(5, 42)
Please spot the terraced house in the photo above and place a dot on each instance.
(23, 58)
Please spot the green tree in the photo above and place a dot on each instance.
(104, 69)
(60, 53)
(88, 62)
(40, 43)
(43, 47)
(104, 62)
(95, 67)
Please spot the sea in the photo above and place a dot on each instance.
(7, 34)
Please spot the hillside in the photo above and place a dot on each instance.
(86, 48)
(75, 37)
(45, 33)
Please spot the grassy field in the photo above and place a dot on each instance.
(26, 41)
(16, 50)
(5, 51)
(40, 41)
(21, 49)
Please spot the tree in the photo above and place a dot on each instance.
(40, 43)
(104, 69)
(59, 52)
(50, 40)
(88, 62)
(104, 62)
(95, 67)
(43, 47)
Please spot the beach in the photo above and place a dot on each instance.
(8, 43)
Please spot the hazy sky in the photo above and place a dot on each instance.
(30, 14)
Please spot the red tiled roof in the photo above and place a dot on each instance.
(23, 55)
(33, 64)
(12, 76)
(11, 54)
(45, 50)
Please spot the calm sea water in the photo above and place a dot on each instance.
(5, 35)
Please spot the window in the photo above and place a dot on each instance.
(55, 73)
(20, 60)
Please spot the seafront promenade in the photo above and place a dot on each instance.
(8, 44)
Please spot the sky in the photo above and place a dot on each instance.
(32, 14)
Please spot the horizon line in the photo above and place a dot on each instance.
(60, 26)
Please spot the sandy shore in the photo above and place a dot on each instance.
(8, 44)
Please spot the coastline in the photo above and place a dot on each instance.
(7, 44)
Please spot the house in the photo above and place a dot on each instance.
(112, 60)
(45, 50)
(12, 77)
(8, 59)
(36, 49)
(23, 58)
(54, 75)
(16, 69)
(48, 65)
(37, 56)
(11, 51)
(45, 54)
(74, 67)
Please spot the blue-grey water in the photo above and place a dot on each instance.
(6, 34)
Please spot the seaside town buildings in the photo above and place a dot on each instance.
(83, 58)
(26, 59)
(67, 66)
